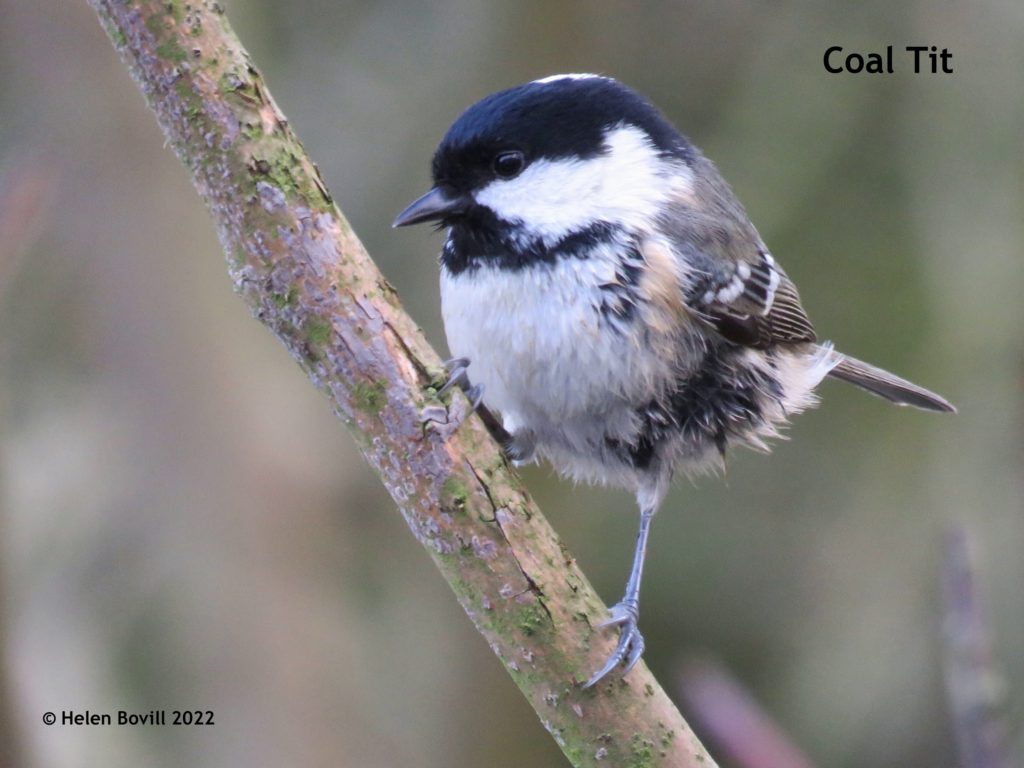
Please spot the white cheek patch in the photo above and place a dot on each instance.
(626, 185)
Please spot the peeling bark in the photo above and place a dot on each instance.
(299, 267)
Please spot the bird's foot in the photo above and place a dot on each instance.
(631, 643)
(446, 420)
(456, 368)
(519, 448)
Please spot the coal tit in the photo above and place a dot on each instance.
(612, 300)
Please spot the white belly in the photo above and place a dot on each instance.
(539, 345)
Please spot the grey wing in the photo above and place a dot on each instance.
(734, 283)
(754, 303)
(735, 286)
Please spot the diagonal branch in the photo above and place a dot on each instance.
(299, 267)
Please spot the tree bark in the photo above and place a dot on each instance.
(305, 275)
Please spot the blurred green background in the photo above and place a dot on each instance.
(185, 525)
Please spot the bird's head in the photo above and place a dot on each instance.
(526, 168)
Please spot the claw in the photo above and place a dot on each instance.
(621, 613)
(635, 653)
(456, 368)
(475, 394)
(631, 643)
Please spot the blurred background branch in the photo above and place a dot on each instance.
(27, 187)
(297, 264)
(733, 723)
(976, 688)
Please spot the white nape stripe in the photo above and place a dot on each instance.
(627, 186)
(568, 76)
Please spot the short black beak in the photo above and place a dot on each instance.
(433, 206)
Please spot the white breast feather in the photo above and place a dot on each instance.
(536, 341)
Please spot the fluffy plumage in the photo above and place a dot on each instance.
(617, 306)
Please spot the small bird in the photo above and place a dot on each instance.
(603, 290)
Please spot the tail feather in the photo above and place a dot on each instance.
(889, 386)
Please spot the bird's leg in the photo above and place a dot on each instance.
(626, 612)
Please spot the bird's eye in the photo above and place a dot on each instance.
(509, 164)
